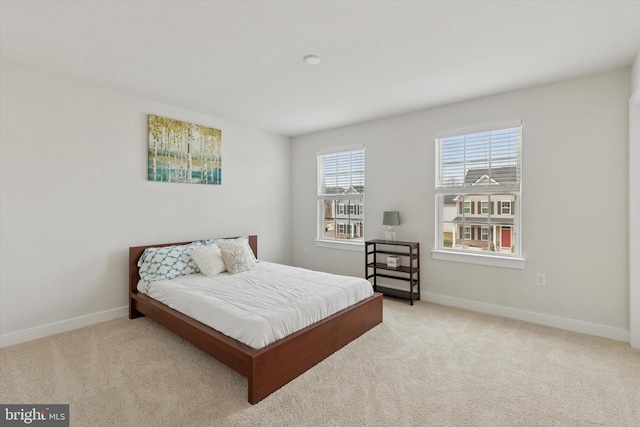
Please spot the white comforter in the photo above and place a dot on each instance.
(262, 305)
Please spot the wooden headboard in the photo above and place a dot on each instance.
(135, 252)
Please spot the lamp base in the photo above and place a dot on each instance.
(390, 236)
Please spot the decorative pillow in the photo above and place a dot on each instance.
(167, 262)
(240, 242)
(209, 259)
(236, 260)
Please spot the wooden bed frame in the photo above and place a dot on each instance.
(270, 367)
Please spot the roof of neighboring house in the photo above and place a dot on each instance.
(358, 189)
(495, 196)
(483, 221)
(501, 175)
(449, 200)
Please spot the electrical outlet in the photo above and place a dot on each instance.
(305, 250)
(541, 279)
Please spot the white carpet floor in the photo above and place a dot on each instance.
(426, 365)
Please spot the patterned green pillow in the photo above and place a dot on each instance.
(167, 262)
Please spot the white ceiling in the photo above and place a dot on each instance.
(242, 60)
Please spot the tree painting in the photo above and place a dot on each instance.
(184, 152)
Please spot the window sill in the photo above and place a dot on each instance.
(348, 246)
(490, 260)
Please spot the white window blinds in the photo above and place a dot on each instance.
(341, 174)
(480, 159)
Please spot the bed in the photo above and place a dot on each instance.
(270, 367)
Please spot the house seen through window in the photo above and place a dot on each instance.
(478, 191)
(341, 195)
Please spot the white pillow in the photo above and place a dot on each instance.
(236, 260)
(209, 259)
(240, 242)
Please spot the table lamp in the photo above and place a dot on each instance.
(390, 218)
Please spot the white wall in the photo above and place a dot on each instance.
(635, 74)
(634, 205)
(575, 210)
(74, 197)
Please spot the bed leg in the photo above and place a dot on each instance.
(133, 313)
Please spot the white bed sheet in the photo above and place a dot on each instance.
(262, 305)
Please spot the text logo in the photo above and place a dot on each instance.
(34, 415)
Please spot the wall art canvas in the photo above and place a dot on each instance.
(184, 152)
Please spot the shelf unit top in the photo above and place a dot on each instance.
(385, 242)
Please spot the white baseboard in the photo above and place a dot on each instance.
(62, 326)
(530, 316)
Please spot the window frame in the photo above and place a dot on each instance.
(448, 187)
(484, 234)
(466, 232)
(353, 214)
(502, 210)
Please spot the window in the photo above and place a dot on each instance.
(505, 207)
(485, 233)
(467, 233)
(479, 171)
(341, 195)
